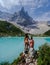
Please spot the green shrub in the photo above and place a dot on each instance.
(47, 33)
(15, 62)
(8, 29)
(44, 55)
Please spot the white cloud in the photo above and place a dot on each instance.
(8, 3)
(1, 3)
(32, 3)
(41, 3)
(44, 17)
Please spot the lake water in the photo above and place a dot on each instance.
(11, 47)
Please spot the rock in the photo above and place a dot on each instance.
(31, 64)
(27, 60)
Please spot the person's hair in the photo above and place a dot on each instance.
(26, 36)
(31, 37)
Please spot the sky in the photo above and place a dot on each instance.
(39, 10)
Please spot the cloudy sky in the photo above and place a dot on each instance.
(37, 9)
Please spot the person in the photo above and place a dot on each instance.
(26, 41)
(31, 45)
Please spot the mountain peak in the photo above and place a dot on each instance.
(23, 13)
(22, 17)
(22, 9)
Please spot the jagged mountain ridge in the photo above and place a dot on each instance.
(26, 22)
(22, 17)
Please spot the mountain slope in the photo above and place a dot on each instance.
(48, 23)
(47, 33)
(7, 29)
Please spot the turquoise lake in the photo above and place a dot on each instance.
(11, 47)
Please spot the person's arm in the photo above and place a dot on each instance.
(33, 43)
